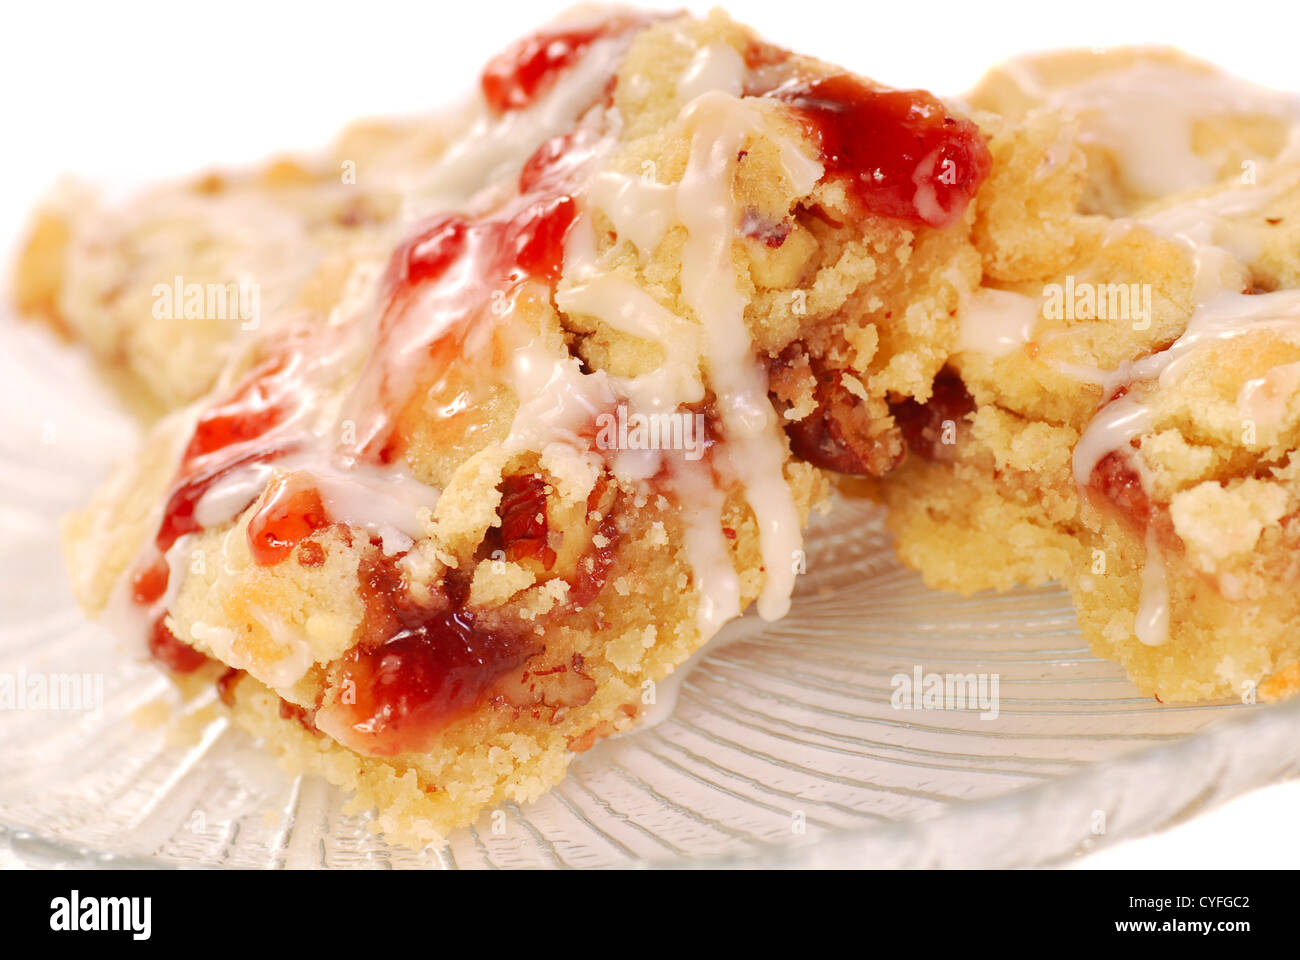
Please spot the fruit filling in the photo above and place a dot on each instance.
(517, 76)
(289, 514)
(415, 669)
(900, 153)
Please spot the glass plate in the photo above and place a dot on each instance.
(778, 744)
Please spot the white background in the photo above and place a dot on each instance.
(121, 92)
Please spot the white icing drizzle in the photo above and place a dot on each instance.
(1230, 315)
(1152, 623)
(587, 288)
(226, 499)
(556, 399)
(621, 304)
(389, 502)
(643, 211)
(715, 67)
(1111, 429)
(488, 157)
(1217, 248)
(1221, 317)
(640, 209)
(996, 322)
(173, 431)
(131, 621)
(1224, 315)
(1146, 115)
(1264, 400)
(707, 209)
(385, 500)
(126, 618)
(716, 582)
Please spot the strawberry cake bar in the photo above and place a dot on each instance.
(542, 396)
(1125, 390)
(533, 407)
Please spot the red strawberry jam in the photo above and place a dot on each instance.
(536, 240)
(527, 240)
(290, 515)
(417, 669)
(554, 164)
(235, 433)
(252, 410)
(430, 672)
(899, 151)
(226, 684)
(150, 583)
(524, 71)
(450, 277)
(178, 516)
(422, 664)
(177, 656)
(1116, 481)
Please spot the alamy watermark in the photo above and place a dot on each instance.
(178, 300)
(678, 430)
(52, 691)
(946, 691)
(75, 913)
(1083, 300)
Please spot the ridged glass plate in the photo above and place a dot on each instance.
(779, 743)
